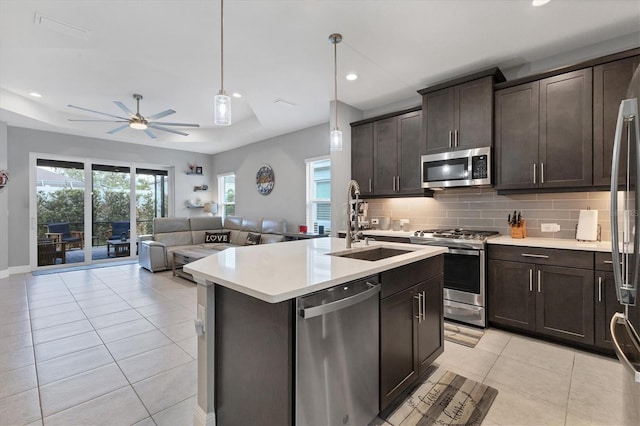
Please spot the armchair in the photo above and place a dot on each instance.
(63, 234)
(117, 229)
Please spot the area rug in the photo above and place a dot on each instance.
(462, 335)
(445, 398)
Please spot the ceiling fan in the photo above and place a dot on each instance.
(137, 121)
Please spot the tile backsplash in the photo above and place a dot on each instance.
(485, 209)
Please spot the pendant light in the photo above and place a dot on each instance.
(222, 101)
(336, 134)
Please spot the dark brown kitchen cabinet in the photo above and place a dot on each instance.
(385, 154)
(511, 300)
(548, 145)
(606, 300)
(411, 325)
(546, 291)
(396, 151)
(516, 136)
(459, 117)
(362, 157)
(610, 83)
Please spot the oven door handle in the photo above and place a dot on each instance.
(464, 252)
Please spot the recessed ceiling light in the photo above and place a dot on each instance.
(352, 76)
(236, 95)
(35, 94)
(539, 2)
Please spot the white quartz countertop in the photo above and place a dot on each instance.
(282, 271)
(603, 246)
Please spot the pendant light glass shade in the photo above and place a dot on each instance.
(336, 140)
(222, 109)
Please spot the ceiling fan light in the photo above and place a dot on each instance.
(138, 125)
(336, 140)
(222, 109)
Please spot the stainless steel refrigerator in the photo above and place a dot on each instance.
(625, 240)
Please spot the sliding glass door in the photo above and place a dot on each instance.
(84, 210)
(60, 227)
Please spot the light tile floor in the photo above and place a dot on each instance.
(117, 346)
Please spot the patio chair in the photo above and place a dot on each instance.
(48, 253)
(117, 229)
(62, 233)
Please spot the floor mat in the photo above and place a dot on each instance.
(462, 335)
(445, 398)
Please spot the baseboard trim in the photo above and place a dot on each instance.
(200, 418)
(24, 269)
(4, 273)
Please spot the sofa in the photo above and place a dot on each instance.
(175, 233)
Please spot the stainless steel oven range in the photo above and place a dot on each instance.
(464, 271)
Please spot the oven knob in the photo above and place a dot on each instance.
(421, 233)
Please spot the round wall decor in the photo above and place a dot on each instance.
(265, 180)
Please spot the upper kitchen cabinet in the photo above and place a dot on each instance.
(385, 154)
(362, 157)
(610, 83)
(543, 133)
(458, 114)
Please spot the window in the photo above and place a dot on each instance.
(319, 193)
(227, 194)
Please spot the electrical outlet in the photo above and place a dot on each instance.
(375, 221)
(549, 227)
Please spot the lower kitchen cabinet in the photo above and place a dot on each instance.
(542, 292)
(606, 300)
(411, 326)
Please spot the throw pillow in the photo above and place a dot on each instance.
(217, 237)
(252, 239)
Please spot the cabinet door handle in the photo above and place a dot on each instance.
(370, 189)
(530, 280)
(398, 185)
(539, 256)
(419, 298)
(450, 139)
(424, 304)
(541, 173)
(599, 289)
(455, 142)
(538, 280)
(534, 172)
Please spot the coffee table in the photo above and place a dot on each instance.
(120, 248)
(183, 256)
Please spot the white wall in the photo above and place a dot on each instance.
(286, 155)
(4, 206)
(21, 142)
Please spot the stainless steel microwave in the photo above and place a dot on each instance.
(469, 167)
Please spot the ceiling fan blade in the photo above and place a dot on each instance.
(175, 124)
(117, 129)
(151, 135)
(98, 112)
(124, 108)
(166, 129)
(103, 121)
(161, 114)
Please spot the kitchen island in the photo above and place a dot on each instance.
(246, 305)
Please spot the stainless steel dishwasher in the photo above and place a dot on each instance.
(337, 355)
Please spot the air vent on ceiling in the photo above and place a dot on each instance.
(61, 27)
(282, 102)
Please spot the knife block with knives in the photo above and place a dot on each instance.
(517, 225)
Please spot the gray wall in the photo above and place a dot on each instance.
(4, 205)
(286, 155)
(21, 142)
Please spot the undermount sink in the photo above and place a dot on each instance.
(372, 254)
